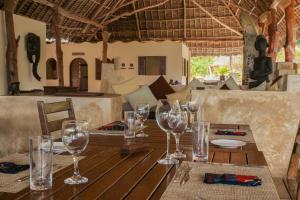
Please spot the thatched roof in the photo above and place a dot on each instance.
(209, 27)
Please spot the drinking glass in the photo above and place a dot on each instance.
(161, 114)
(200, 141)
(40, 160)
(129, 119)
(193, 108)
(142, 113)
(75, 137)
(178, 121)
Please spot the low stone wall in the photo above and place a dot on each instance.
(273, 117)
(19, 117)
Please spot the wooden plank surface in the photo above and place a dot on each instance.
(138, 176)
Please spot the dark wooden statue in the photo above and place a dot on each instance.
(262, 64)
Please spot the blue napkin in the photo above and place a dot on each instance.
(12, 168)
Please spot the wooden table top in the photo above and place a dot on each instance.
(137, 176)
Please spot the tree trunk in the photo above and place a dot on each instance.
(105, 37)
(59, 52)
(273, 36)
(12, 45)
(290, 18)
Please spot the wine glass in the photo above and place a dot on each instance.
(178, 121)
(193, 108)
(184, 107)
(161, 114)
(75, 137)
(142, 113)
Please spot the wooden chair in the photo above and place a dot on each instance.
(49, 108)
(293, 175)
(288, 188)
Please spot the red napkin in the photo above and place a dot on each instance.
(114, 126)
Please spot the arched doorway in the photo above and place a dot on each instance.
(79, 74)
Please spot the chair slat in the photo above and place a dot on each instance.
(56, 124)
(57, 107)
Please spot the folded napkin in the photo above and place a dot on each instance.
(114, 126)
(228, 132)
(232, 179)
(12, 168)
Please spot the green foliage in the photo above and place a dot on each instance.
(222, 70)
(200, 65)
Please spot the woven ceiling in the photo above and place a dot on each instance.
(208, 27)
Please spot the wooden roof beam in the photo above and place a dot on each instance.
(217, 20)
(69, 15)
(127, 14)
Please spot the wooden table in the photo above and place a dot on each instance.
(138, 176)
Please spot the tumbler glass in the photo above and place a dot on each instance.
(40, 160)
(129, 119)
(200, 141)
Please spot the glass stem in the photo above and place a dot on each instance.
(142, 125)
(195, 117)
(168, 145)
(177, 144)
(76, 169)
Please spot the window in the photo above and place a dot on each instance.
(152, 65)
(51, 69)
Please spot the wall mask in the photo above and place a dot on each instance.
(33, 47)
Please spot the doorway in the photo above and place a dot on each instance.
(79, 74)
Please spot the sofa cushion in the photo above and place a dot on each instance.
(261, 87)
(230, 84)
(160, 88)
(126, 87)
(141, 95)
(183, 95)
(195, 83)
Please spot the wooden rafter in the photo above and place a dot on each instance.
(241, 8)
(97, 12)
(69, 15)
(184, 19)
(216, 19)
(232, 13)
(127, 14)
(137, 22)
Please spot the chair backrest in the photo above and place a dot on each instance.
(49, 108)
(293, 175)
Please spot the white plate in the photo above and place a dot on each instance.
(228, 143)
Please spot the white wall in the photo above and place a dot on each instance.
(126, 53)
(23, 26)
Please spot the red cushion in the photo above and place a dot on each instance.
(160, 88)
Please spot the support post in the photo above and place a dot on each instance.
(105, 38)
(11, 50)
(290, 45)
(59, 52)
(273, 35)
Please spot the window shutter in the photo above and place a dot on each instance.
(98, 69)
(163, 65)
(142, 65)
